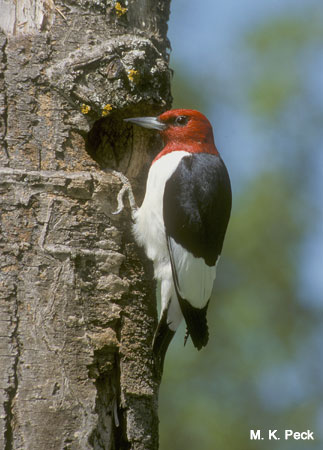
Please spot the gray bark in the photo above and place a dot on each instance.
(77, 303)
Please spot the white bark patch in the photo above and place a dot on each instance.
(26, 16)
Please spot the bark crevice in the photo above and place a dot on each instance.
(3, 100)
(12, 389)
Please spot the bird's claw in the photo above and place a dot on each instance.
(125, 188)
(120, 200)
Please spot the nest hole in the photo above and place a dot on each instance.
(109, 143)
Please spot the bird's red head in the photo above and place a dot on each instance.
(182, 129)
(188, 130)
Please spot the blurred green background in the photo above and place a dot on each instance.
(256, 70)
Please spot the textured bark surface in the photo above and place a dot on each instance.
(77, 304)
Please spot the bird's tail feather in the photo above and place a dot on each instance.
(196, 322)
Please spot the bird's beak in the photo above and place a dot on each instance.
(147, 122)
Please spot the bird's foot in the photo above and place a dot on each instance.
(126, 187)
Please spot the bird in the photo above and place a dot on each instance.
(182, 222)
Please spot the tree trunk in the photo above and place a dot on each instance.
(77, 303)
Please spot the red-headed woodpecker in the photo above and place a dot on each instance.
(183, 220)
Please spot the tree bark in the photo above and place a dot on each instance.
(77, 301)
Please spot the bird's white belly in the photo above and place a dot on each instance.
(149, 228)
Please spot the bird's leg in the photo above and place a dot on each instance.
(125, 188)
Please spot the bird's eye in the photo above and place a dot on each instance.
(181, 120)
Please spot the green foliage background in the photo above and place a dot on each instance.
(262, 368)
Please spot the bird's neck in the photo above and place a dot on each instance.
(190, 147)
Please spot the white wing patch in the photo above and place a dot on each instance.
(195, 278)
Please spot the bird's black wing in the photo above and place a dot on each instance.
(196, 209)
